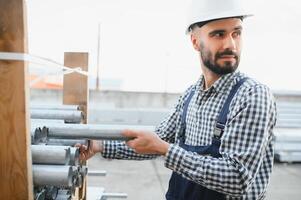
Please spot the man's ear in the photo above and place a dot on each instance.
(195, 41)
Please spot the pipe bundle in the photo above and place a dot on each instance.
(57, 170)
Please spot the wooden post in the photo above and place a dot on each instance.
(76, 92)
(15, 154)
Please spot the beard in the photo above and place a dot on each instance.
(210, 61)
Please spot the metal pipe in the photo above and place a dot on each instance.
(35, 122)
(70, 142)
(88, 131)
(53, 107)
(69, 116)
(56, 155)
(37, 135)
(52, 175)
(97, 173)
(114, 195)
(74, 156)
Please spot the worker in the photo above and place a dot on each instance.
(218, 138)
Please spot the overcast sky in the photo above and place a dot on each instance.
(143, 43)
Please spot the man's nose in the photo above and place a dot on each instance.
(229, 43)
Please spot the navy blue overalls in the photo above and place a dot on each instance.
(184, 189)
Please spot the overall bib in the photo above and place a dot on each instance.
(184, 189)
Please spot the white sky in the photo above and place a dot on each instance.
(143, 42)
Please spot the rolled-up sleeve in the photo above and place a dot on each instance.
(166, 130)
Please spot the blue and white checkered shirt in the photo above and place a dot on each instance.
(245, 167)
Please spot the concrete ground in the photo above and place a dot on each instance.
(148, 180)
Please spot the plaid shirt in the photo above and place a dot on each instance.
(245, 167)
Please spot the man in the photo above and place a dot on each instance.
(218, 139)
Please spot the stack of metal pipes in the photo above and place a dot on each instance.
(57, 171)
(56, 167)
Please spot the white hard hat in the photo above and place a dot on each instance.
(207, 10)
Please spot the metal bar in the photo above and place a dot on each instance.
(53, 107)
(53, 175)
(97, 173)
(56, 155)
(67, 115)
(35, 122)
(65, 142)
(88, 131)
(114, 195)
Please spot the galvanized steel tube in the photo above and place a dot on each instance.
(53, 107)
(97, 173)
(52, 175)
(65, 142)
(114, 195)
(67, 115)
(56, 155)
(35, 122)
(88, 131)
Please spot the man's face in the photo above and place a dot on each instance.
(219, 44)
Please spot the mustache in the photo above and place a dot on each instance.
(226, 53)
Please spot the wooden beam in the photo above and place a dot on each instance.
(15, 154)
(76, 91)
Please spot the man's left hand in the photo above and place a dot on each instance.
(146, 142)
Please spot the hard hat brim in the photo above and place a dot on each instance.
(217, 17)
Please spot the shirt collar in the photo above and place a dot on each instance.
(221, 85)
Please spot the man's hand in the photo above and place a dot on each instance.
(146, 142)
(87, 152)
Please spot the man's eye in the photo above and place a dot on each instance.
(218, 34)
(237, 33)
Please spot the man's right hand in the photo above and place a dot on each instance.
(86, 152)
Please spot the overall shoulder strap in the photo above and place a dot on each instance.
(184, 114)
(222, 118)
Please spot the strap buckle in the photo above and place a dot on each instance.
(218, 131)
